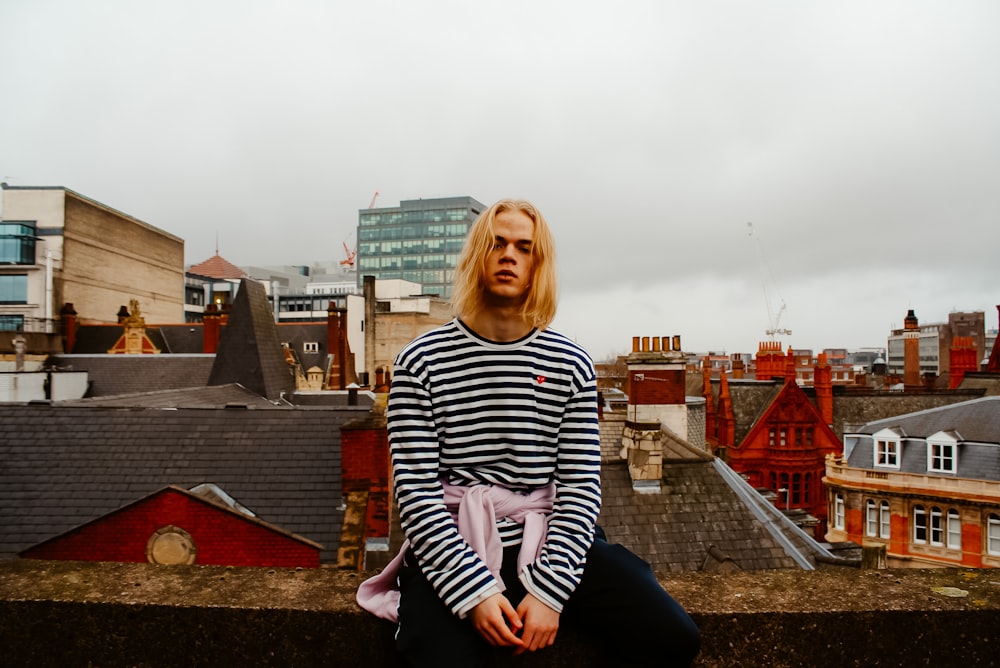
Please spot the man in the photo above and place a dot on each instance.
(495, 449)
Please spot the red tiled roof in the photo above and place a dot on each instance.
(217, 267)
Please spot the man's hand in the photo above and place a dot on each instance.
(496, 620)
(540, 624)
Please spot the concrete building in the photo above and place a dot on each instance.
(58, 246)
(417, 241)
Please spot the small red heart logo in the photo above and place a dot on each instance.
(541, 379)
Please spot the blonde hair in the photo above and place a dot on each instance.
(467, 293)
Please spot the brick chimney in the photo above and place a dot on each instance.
(964, 358)
(725, 421)
(336, 345)
(656, 390)
(770, 360)
(823, 382)
(706, 385)
(368, 495)
(211, 322)
(67, 315)
(911, 351)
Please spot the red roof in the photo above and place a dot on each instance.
(217, 267)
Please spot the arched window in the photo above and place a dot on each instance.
(871, 518)
(884, 525)
(993, 534)
(954, 530)
(919, 524)
(937, 527)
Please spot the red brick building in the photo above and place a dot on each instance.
(176, 526)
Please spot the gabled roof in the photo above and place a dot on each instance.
(977, 420)
(66, 465)
(249, 351)
(789, 397)
(197, 497)
(217, 267)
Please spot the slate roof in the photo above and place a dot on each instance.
(976, 420)
(217, 396)
(250, 353)
(64, 465)
(110, 375)
(704, 513)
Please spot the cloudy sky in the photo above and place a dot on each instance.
(702, 163)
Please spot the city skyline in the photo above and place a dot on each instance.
(701, 165)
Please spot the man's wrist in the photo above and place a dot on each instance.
(467, 607)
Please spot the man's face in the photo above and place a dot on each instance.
(509, 264)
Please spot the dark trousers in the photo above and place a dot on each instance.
(618, 604)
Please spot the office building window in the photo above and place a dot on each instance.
(11, 323)
(17, 243)
(13, 288)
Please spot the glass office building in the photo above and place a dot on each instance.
(417, 241)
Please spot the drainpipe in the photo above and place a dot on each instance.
(48, 292)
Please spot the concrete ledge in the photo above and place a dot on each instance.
(109, 614)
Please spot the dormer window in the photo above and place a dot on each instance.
(942, 452)
(887, 448)
(310, 347)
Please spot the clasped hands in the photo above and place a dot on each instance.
(532, 626)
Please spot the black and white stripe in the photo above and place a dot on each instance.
(520, 415)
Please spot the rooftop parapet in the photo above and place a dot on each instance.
(113, 614)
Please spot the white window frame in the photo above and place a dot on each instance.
(838, 511)
(310, 347)
(993, 534)
(871, 518)
(942, 453)
(954, 529)
(936, 527)
(884, 520)
(919, 525)
(887, 447)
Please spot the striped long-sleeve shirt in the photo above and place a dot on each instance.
(520, 415)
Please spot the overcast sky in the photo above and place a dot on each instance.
(860, 139)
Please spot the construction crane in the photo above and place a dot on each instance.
(371, 205)
(773, 319)
(349, 256)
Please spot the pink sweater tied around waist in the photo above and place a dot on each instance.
(475, 510)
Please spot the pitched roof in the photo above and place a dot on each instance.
(65, 465)
(218, 396)
(217, 267)
(250, 352)
(976, 420)
(110, 375)
(703, 513)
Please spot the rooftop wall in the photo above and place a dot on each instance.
(78, 614)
